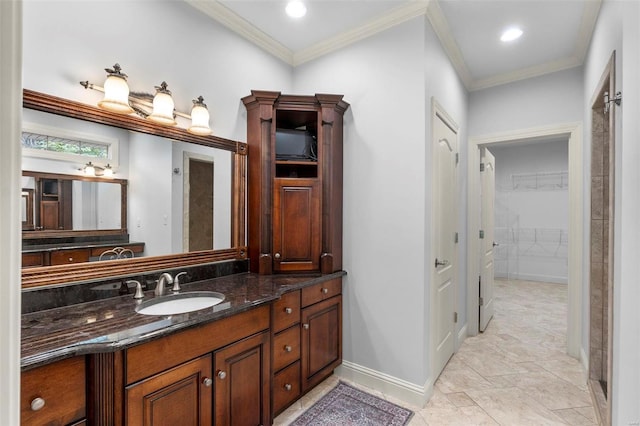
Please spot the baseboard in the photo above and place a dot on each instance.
(462, 334)
(397, 388)
(584, 360)
(535, 277)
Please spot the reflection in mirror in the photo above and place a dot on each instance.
(26, 207)
(165, 190)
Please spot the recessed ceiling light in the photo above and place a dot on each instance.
(511, 34)
(296, 9)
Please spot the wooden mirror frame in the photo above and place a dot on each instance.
(55, 275)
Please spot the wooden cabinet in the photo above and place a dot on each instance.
(294, 182)
(54, 201)
(321, 332)
(179, 396)
(54, 394)
(242, 383)
(218, 373)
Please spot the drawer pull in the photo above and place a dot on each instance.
(325, 290)
(287, 387)
(287, 348)
(71, 259)
(305, 326)
(207, 382)
(288, 311)
(37, 404)
(222, 375)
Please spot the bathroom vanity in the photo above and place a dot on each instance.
(89, 357)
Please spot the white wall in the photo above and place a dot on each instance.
(617, 29)
(555, 98)
(531, 216)
(170, 41)
(10, 118)
(389, 80)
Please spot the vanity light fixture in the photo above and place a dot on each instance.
(159, 108)
(511, 34)
(296, 9)
(91, 169)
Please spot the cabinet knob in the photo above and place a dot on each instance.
(287, 348)
(325, 290)
(288, 311)
(305, 326)
(287, 387)
(71, 259)
(207, 382)
(37, 404)
(277, 255)
(222, 375)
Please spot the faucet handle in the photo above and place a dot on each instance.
(139, 293)
(176, 282)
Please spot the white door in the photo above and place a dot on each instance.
(487, 245)
(445, 218)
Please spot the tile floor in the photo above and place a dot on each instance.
(515, 373)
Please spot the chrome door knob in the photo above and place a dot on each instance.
(287, 348)
(287, 387)
(305, 326)
(288, 311)
(277, 255)
(222, 375)
(325, 290)
(442, 262)
(207, 382)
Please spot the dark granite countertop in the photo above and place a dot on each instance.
(110, 325)
(76, 245)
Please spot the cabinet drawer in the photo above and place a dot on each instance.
(32, 259)
(286, 347)
(62, 257)
(286, 311)
(62, 388)
(321, 291)
(286, 387)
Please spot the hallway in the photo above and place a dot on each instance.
(516, 373)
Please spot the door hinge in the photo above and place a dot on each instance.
(481, 301)
(455, 238)
(482, 234)
(457, 158)
(455, 317)
(482, 167)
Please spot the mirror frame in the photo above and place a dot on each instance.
(79, 272)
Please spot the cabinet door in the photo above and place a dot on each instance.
(296, 225)
(321, 340)
(179, 396)
(242, 387)
(49, 215)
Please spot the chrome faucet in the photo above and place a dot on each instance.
(165, 278)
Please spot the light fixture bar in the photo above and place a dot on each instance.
(136, 97)
(119, 99)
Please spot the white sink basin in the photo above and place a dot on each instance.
(180, 303)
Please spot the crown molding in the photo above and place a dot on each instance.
(587, 25)
(441, 27)
(389, 19)
(242, 27)
(524, 73)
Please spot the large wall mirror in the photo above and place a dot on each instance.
(177, 198)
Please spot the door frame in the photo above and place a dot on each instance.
(576, 229)
(438, 110)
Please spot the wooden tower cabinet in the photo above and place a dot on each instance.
(295, 182)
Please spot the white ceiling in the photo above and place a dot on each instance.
(556, 32)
